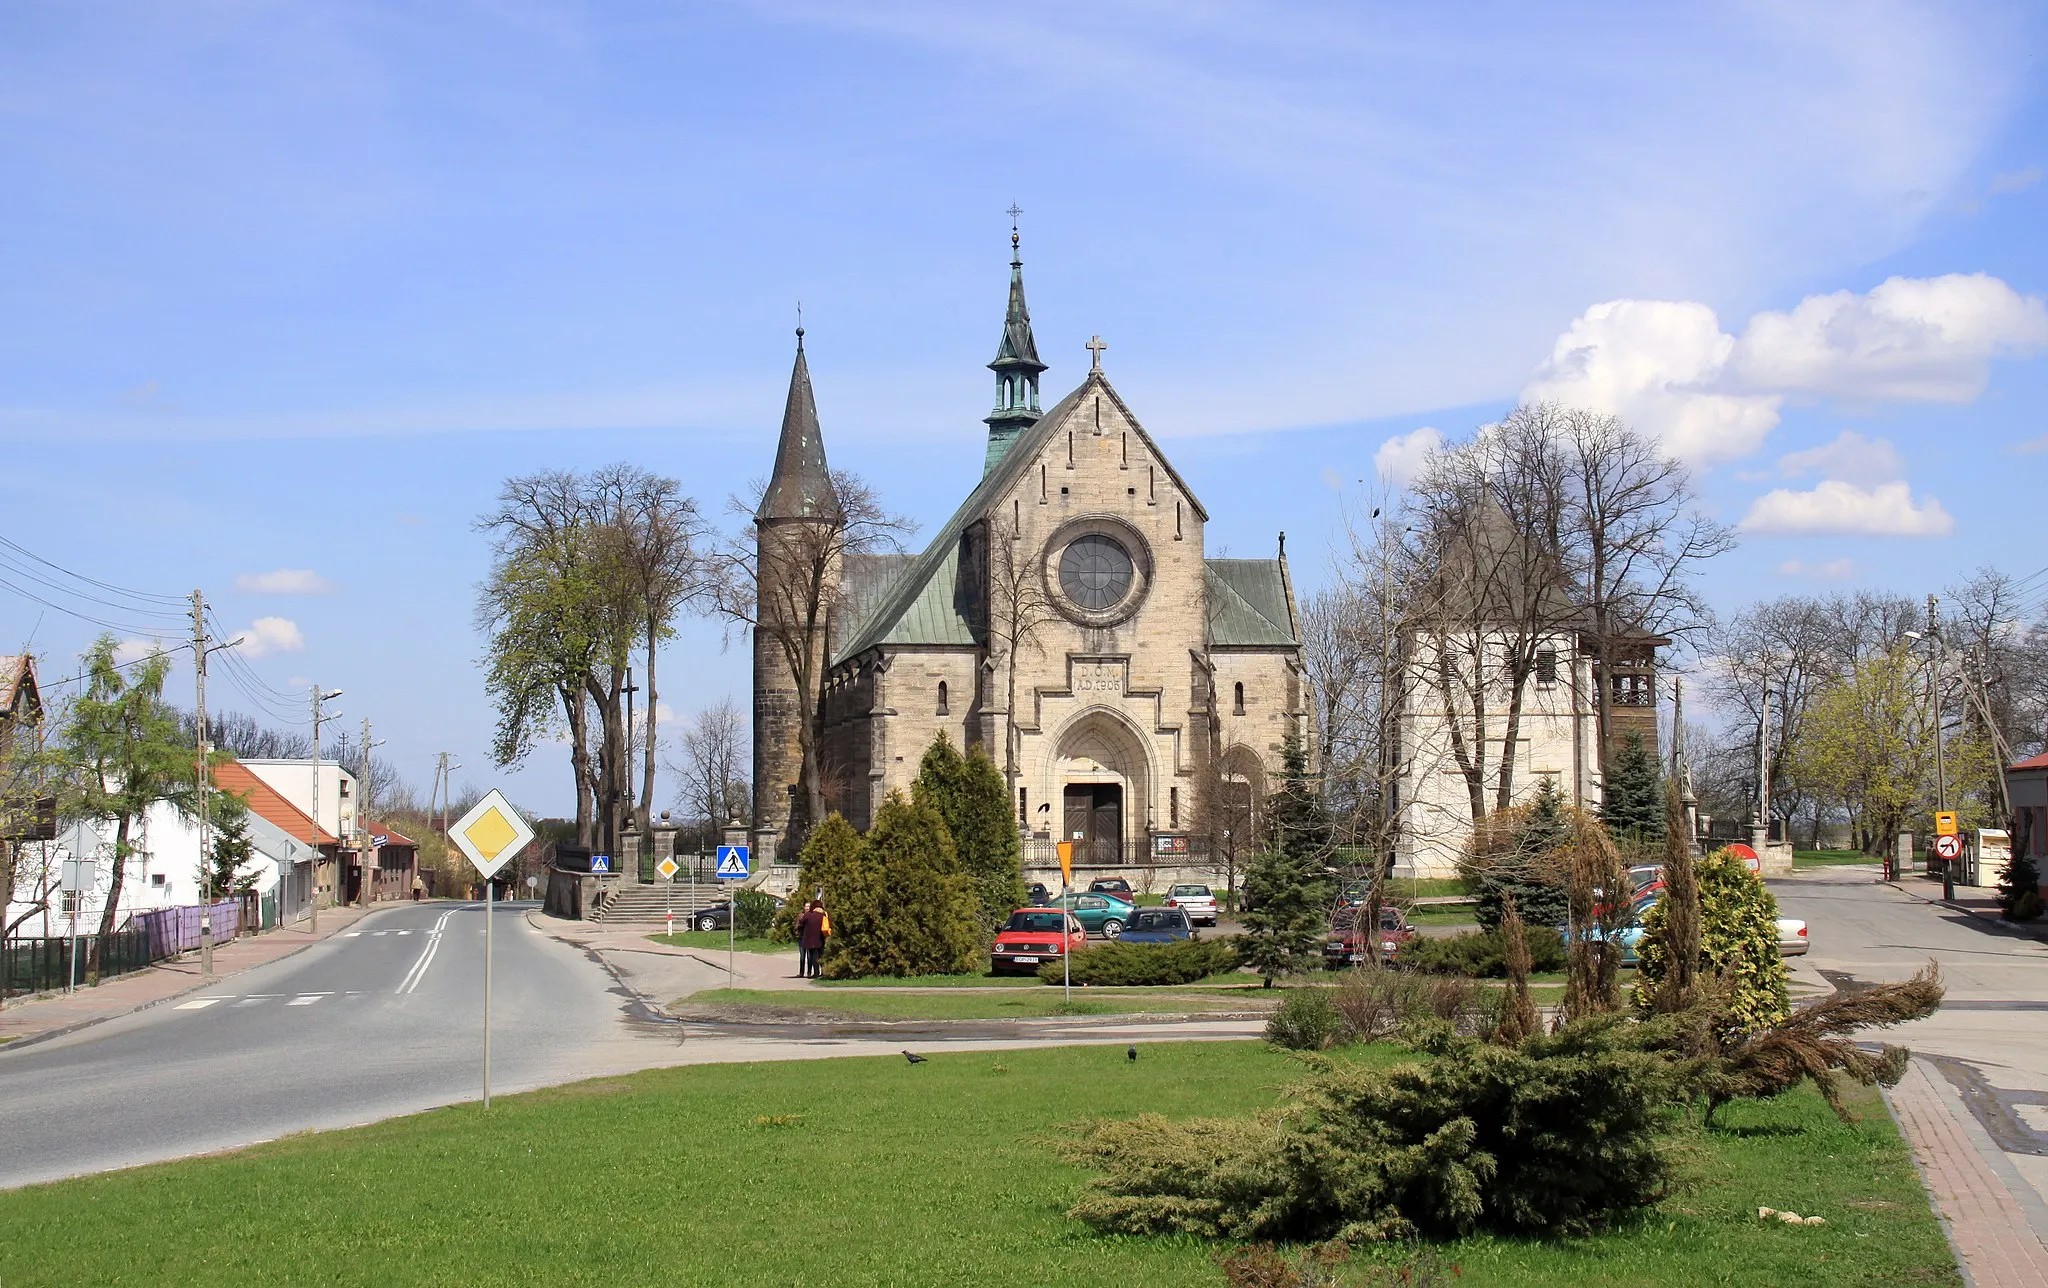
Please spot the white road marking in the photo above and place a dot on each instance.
(350, 934)
(306, 999)
(198, 1003)
(412, 979)
(251, 1001)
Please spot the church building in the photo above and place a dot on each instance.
(1066, 619)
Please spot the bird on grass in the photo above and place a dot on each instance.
(1131, 1053)
(913, 1057)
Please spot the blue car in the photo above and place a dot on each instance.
(1157, 926)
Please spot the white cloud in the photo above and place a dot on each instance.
(1913, 339)
(1668, 368)
(1655, 364)
(267, 635)
(283, 581)
(1851, 458)
(1401, 456)
(2016, 180)
(2033, 446)
(1838, 508)
(1832, 570)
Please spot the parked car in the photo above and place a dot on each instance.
(1113, 885)
(718, 916)
(1102, 914)
(1038, 894)
(1793, 937)
(1033, 937)
(1346, 946)
(1157, 926)
(1196, 900)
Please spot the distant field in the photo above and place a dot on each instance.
(1829, 858)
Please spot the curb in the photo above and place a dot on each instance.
(2022, 929)
(45, 1036)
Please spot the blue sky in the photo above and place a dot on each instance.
(293, 286)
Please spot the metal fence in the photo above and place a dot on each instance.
(1139, 852)
(176, 930)
(40, 965)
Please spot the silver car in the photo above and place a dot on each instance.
(1195, 900)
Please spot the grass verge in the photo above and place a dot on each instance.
(709, 940)
(1006, 1004)
(863, 1172)
(1829, 858)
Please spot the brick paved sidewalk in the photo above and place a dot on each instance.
(31, 1019)
(1987, 1224)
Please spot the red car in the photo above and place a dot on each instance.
(1347, 947)
(1031, 938)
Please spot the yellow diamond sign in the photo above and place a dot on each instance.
(668, 869)
(491, 833)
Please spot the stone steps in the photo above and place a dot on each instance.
(649, 904)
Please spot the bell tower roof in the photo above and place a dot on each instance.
(801, 486)
(1016, 363)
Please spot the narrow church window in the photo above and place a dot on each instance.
(1125, 463)
(1151, 485)
(1546, 666)
(1172, 807)
(1176, 520)
(1070, 449)
(1023, 806)
(1041, 483)
(1016, 528)
(942, 697)
(1237, 701)
(1098, 415)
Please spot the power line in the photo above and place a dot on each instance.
(122, 628)
(94, 581)
(12, 565)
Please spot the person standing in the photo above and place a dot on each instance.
(810, 939)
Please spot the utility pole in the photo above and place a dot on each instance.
(1948, 869)
(1763, 764)
(205, 781)
(364, 851)
(318, 720)
(626, 757)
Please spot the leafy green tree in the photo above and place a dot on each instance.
(122, 750)
(905, 907)
(1738, 943)
(829, 860)
(232, 850)
(1632, 794)
(1529, 868)
(1288, 885)
(969, 793)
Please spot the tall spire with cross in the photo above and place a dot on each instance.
(1016, 362)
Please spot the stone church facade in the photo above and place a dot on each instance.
(1066, 619)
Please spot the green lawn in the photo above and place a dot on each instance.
(994, 981)
(858, 1172)
(1828, 858)
(716, 939)
(1457, 914)
(1004, 1004)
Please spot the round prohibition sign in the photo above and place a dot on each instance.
(1948, 847)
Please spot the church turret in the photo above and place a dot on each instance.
(1016, 365)
(796, 544)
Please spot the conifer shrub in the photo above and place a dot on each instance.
(1632, 795)
(1738, 939)
(753, 912)
(1287, 887)
(1513, 854)
(1559, 1135)
(1481, 954)
(903, 907)
(1375, 1003)
(2019, 886)
(1306, 1020)
(1144, 965)
(970, 794)
(830, 854)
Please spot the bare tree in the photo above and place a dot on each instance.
(1228, 816)
(712, 776)
(1634, 539)
(784, 582)
(1019, 606)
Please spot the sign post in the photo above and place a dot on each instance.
(1948, 847)
(735, 863)
(667, 868)
(489, 835)
(1065, 849)
(79, 876)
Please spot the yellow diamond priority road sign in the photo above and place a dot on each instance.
(491, 833)
(668, 869)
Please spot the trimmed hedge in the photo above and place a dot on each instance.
(1126, 965)
(1479, 954)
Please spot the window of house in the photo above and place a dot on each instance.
(1237, 701)
(1546, 666)
(1173, 807)
(344, 782)
(157, 878)
(942, 697)
(1023, 807)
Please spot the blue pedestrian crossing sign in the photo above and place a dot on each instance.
(600, 863)
(732, 860)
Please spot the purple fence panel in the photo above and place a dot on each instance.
(176, 930)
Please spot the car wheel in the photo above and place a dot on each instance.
(707, 923)
(1112, 928)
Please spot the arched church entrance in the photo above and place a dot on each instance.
(1104, 776)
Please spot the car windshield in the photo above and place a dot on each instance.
(1191, 891)
(1044, 923)
(1154, 920)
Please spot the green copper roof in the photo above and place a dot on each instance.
(1017, 347)
(801, 486)
(1248, 603)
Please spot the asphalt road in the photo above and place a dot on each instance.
(384, 1019)
(1990, 1037)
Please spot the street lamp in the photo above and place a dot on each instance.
(313, 900)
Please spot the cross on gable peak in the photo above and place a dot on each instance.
(1095, 346)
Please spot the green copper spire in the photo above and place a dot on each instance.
(1016, 364)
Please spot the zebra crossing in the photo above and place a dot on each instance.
(246, 1000)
